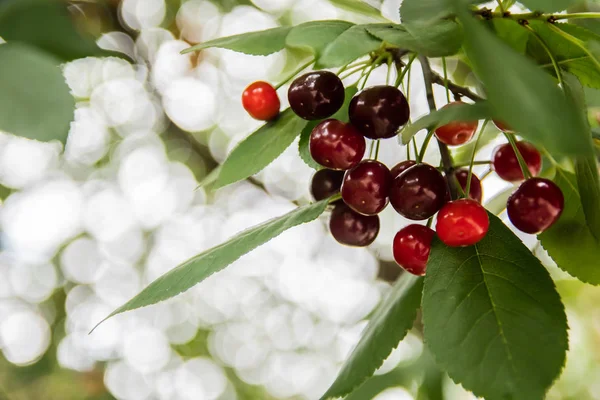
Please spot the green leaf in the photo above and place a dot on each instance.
(511, 33)
(442, 38)
(200, 267)
(493, 318)
(341, 115)
(459, 112)
(569, 241)
(387, 327)
(347, 47)
(425, 10)
(46, 24)
(260, 43)
(35, 101)
(260, 148)
(548, 5)
(359, 7)
(315, 35)
(523, 90)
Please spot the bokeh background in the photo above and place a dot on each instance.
(84, 228)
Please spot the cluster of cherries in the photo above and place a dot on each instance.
(417, 191)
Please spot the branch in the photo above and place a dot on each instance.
(489, 14)
(457, 90)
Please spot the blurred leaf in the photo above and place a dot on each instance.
(359, 7)
(387, 327)
(260, 148)
(259, 43)
(548, 5)
(442, 38)
(341, 115)
(425, 10)
(522, 91)
(347, 47)
(511, 33)
(200, 267)
(35, 101)
(46, 24)
(315, 35)
(210, 178)
(493, 318)
(459, 112)
(569, 241)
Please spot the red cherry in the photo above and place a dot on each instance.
(411, 248)
(351, 228)
(535, 205)
(261, 101)
(419, 192)
(457, 132)
(366, 187)
(462, 222)
(316, 95)
(401, 167)
(379, 111)
(502, 126)
(506, 164)
(475, 191)
(325, 183)
(336, 145)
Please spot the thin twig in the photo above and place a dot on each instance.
(457, 90)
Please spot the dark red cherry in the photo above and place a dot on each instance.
(325, 183)
(316, 95)
(535, 205)
(457, 132)
(351, 228)
(336, 145)
(419, 192)
(506, 164)
(475, 191)
(366, 187)
(411, 248)
(261, 101)
(401, 167)
(462, 222)
(502, 126)
(379, 111)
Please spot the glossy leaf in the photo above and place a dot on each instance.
(426, 10)
(511, 33)
(493, 318)
(260, 148)
(200, 267)
(548, 5)
(347, 47)
(316, 35)
(260, 43)
(387, 327)
(360, 7)
(35, 101)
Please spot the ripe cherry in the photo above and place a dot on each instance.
(325, 183)
(535, 205)
(475, 190)
(316, 95)
(401, 167)
(462, 222)
(419, 192)
(411, 248)
(351, 228)
(379, 111)
(506, 164)
(336, 145)
(366, 187)
(503, 126)
(261, 101)
(457, 132)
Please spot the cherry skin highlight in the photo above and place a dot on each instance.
(325, 183)
(475, 191)
(462, 222)
(336, 145)
(457, 132)
(419, 192)
(411, 248)
(351, 228)
(261, 101)
(316, 95)
(506, 164)
(401, 167)
(366, 187)
(379, 111)
(535, 206)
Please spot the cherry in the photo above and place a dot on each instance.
(316, 95)
(419, 192)
(462, 222)
(366, 187)
(535, 205)
(457, 132)
(411, 248)
(379, 111)
(502, 126)
(261, 101)
(336, 145)
(475, 190)
(506, 164)
(325, 183)
(351, 228)
(401, 167)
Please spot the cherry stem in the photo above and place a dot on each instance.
(481, 162)
(294, 73)
(486, 174)
(522, 163)
(429, 222)
(354, 70)
(446, 79)
(371, 148)
(470, 176)
(414, 143)
(387, 77)
(421, 154)
(501, 6)
(377, 149)
(406, 69)
(548, 51)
